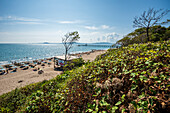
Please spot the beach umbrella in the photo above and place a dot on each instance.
(14, 67)
(26, 65)
(11, 65)
(2, 69)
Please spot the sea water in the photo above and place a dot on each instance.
(28, 52)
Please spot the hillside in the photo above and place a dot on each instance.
(128, 79)
(156, 33)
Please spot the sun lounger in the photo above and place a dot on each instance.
(34, 69)
(25, 68)
(22, 66)
(49, 63)
(1, 73)
(42, 64)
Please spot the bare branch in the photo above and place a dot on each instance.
(149, 19)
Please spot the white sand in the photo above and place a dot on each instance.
(24, 77)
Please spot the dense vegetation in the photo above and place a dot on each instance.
(128, 79)
(156, 33)
(73, 64)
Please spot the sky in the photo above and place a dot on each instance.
(35, 21)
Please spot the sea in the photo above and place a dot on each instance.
(28, 52)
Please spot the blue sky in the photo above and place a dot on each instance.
(30, 21)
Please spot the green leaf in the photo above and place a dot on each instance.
(97, 108)
(118, 103)
(105, 103)
(99, 92)
(154, 97)
(147, 62)
(114, 108)
(159, 81)
(143, 72)
(151, 101)
(89, 110)
(123, 97)
(133, 87)
(132, 74)
(123, 110)
(141, 96)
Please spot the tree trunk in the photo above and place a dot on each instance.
(147, 33)
(66, 55)
(54, 62)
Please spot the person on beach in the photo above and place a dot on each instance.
(40, 71)
(6, 72)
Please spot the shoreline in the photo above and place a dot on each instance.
(29, 59)
(47, 58)
(23, 77)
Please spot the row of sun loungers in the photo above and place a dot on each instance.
(24, 66)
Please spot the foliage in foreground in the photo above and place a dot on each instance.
(73, 64)
(129, 79)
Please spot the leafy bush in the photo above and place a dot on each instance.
(73, 64)
(129, 79)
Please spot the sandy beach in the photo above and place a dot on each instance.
(22, 78)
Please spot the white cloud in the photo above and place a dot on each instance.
(69, 22)
(30, 23)
(26, 23)
(89, 33)
(66, 22)
(105, 27)
(111, 37)
(91, 27)
(24, 20)
(14, 18)
(97, 28)
(27, 19)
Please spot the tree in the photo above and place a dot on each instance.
(158, 33)
(68, 41)
(149, 19)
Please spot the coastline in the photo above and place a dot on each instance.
(30, 59)
(21, 77)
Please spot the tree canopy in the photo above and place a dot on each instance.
(157, 33)
(68, 41)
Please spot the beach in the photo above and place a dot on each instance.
(21, 78)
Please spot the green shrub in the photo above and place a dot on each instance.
(73, 64)
(128, 79)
